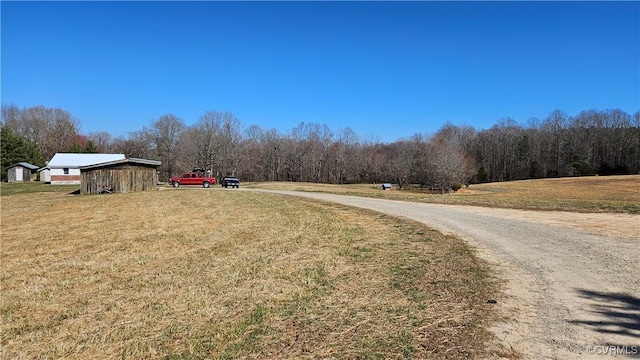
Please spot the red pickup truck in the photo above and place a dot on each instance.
(192, 178)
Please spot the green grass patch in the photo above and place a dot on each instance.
(7, 189)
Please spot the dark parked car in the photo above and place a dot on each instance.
(230, 181)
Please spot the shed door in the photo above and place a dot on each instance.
(18, 173)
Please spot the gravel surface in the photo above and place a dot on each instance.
(572, 280)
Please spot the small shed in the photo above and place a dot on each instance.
(119, 176)
(21, 172)
(45, 175)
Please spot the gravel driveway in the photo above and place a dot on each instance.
(573, 280)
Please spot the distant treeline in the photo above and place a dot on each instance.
(591, 142)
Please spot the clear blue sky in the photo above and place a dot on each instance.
(385, 69)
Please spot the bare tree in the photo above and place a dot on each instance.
(372, 157)
(344, 157)
(635, 136)
(102, 140)
(403, 160)
(230, 140)
(164, 135)
(11, 117)
(202, 145)
(52, 129)
(309, 156)
(136, 144)
(448, 165)
(554, 126)
(592, 142)
(265, 152)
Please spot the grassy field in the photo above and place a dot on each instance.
(212, 273)
(584, 194)
(7, 189)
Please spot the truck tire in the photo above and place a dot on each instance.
(206, 184)
(176, 184)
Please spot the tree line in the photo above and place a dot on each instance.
(592, 142)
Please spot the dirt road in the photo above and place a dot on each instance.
(573, 280)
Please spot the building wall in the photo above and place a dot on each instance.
(45, 175)
(119, 178)
(19, 174)
(12, 174)
(58, 177)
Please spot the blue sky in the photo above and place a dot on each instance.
(385, 69)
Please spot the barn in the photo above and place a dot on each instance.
(119, 176)
(64, 168)
(21, 172)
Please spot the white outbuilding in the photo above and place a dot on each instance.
(64, 168)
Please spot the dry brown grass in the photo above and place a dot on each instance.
(584, 194)
(195, 273)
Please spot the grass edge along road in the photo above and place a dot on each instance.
(227, 274)
(618, 194)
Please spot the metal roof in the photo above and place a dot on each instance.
(69, 160)
(122, 161)
(25, 165)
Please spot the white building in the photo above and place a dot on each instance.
(64, 168)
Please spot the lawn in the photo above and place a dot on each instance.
(583, 194)
(213, 273)
(7, 189)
